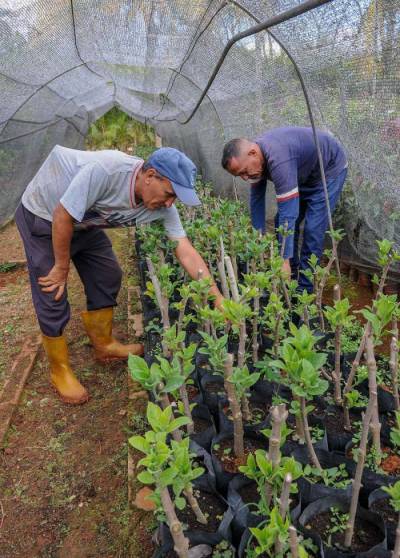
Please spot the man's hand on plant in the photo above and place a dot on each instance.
(219, 299)
(286, 269)
(54, 281)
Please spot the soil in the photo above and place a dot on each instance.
(211, 506)
(63, 469)
(200, 425)
(385, 510)
(192, 392)
(366, 535)
(249, 494)
(334, 421)
(215, 387)
(17, 317)
(229, 462)
(257, 410)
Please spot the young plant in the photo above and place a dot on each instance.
(270, 470)
(333, 476)
(174, 340)
(394, 493)
(361, 454)
(299, 368)
(161, 289)
(157, 463)
(338, 317)
(161, 378)
(305, 306)
(237, 311)
(274, 317)
(395, 431)
(276, 528)
(338, 524)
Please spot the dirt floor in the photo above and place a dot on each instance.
(63, 469)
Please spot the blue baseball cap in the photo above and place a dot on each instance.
(179, 169)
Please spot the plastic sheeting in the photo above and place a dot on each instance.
(64, 63)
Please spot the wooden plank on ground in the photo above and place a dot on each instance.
(15, 382)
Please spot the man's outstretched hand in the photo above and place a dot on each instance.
(54, 281)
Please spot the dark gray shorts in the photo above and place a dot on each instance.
(93, 257)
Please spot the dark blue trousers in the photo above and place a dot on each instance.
(93, 257)
(315, 216)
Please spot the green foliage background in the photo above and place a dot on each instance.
(117, 130)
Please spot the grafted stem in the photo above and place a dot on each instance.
(293, 542)
(201, 518)
(238, 432)
(358, 475)
(375, 425)
(394, 363)
(181, 543)
(307, 435)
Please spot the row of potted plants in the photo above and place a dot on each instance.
(276, 415)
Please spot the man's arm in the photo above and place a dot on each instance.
(192, 262)
(62, 231)
(257, 204)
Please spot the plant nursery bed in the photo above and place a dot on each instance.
(225, 453)
(212, 507)
(258, 412)
(366, 535)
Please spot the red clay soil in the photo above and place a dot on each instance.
(63, 469)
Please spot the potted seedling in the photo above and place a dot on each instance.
(338, 317)
(160, 379)
(394, 493)
(159, 470)
(274, 320)
(298, 367)
(275, 538)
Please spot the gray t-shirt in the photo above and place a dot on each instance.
(97, 188)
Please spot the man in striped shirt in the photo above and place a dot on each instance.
(288, 157)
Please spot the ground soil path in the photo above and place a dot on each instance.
(63, 469)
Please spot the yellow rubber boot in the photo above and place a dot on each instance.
(98, 325)
(62, 378)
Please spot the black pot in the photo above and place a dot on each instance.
(224, 477)
(204, 438)
(391, 526)
(211, 399)
(313, 491)
(343, 503)
(207, 481)
(244, 515)
(370, 480)
(263, 390)
(337, 441)
(226, 425)
(246, 536)
(197, 537)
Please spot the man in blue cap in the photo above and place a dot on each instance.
(72, 197)
(288, 157)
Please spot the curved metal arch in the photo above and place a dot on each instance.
(198, 87)
(313, 126)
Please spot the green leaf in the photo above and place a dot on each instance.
(145, 477)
